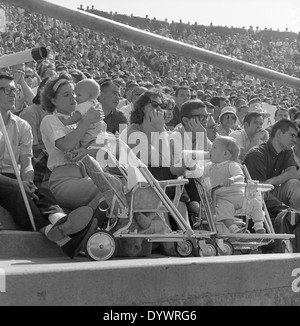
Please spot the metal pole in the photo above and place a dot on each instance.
(17, 171)
(103, 25)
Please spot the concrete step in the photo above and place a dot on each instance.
(256, 280)
(15, 243)
(20, 244)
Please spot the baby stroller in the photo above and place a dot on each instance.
(139, 197)
(244, 242)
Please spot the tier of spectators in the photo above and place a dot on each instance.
(100, 56)
(130, 78)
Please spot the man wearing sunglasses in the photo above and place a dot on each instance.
(190, 136)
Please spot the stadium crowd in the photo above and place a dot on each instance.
(225, 103)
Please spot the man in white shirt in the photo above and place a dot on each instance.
(190, 145)
(135, 93)
(252, 134)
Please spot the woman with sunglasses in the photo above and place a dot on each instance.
(147, 123)
(149, 140)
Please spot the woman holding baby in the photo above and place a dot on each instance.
(70, 186)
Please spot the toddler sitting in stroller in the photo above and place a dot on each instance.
(222, 172)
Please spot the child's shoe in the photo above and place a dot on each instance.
(259, 228)
(235, 229)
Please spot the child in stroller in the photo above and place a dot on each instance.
(223, 171)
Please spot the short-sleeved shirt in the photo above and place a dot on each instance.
(113, 121)
(263, 162)
(242, 138)
(20, 136)
(52, 129)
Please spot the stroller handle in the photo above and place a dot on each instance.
(263, 187)
(130, 158)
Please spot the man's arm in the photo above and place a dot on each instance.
(26, 168)
(288, 174)
(19, 78)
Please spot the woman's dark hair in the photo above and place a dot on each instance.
(37, 98)
(137, 115)
(51, 88)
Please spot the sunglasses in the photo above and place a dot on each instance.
(200, 116)
(155, 105)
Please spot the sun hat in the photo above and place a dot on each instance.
(226, 110)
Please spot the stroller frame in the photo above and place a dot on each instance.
(101, 245)
(244, 242)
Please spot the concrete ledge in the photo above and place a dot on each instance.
(20, 244)
(161, 281)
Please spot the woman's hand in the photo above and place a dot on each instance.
(93, 115)
(157, 120)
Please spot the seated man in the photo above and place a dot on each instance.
(109, 99)
(252, 134)
(48, 217)
(190, 135)
(34, 114)
(273, 163)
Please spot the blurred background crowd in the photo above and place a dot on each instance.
(83, 52)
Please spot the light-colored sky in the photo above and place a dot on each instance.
(275, 14)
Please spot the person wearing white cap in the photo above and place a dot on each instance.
(227, 120)
(241, 111)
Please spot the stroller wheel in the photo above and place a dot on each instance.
(184, 248)
(245, 251)
(206, 248)
(227, 249)
(101, 245)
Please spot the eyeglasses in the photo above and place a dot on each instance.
(9, 90)
(201, 116)
(155, 105)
